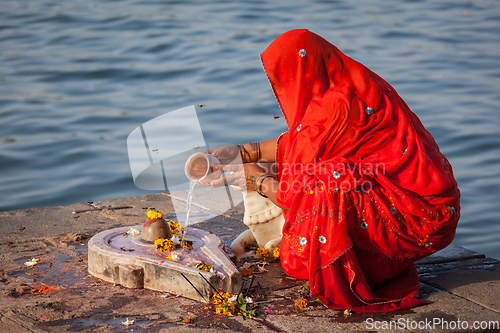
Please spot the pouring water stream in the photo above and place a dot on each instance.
(192, 184)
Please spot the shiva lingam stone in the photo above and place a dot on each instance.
(155, 227)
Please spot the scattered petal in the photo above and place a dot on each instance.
(261, 269)
(133, 232)
(174, 257)
(31, 262)
(246, 265)
(128, 322)
(176, 240)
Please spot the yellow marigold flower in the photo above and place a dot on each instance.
(301, 303)
(165, 245)
(175, 227)
(155, 215)
(262, 253)
(224, 309)
(217, 297)
(158, 242)
(276, 253)
(187, 245)
(203, 266)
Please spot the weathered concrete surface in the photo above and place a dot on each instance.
(57, 295)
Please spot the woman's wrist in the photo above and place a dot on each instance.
(260, 183)
(270, 187)
(245, 156)
(250, 152)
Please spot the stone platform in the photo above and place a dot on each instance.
(59, 294)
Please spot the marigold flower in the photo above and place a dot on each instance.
(154, 214)
(187, 245)
(188, 320)
(216, 299)
(164, 245)
(203, 266)
(276, 253)
(301, 303)
(175, 227)
(262, 253)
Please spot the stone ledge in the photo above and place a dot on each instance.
(449, 254)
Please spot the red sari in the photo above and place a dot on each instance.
(367, 190)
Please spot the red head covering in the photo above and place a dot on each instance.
(367, 188)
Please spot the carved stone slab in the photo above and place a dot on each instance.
(121, 258)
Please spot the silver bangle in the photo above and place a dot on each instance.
(259, 185)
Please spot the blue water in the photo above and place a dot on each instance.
(76, 77)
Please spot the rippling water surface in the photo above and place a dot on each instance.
(77, 77)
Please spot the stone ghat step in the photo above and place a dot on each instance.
(450, 254)
(117, 257)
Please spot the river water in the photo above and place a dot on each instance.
(76, 77)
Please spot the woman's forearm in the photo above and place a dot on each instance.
(270, 188)
(267, 150)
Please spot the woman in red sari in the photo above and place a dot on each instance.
(364, 188)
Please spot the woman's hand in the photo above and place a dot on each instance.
(229, 154)
(244, 175)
